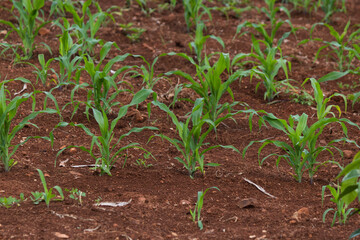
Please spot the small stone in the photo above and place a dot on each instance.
(292, 221)
(252, 236)
(44, 31)
(209, 231)
(247, 203)
(142, 200)
(115, 225)
(76, 174)
(174, 234)
(348, 153)
(301, 213)
(185, 202)
(72, 150)
(61, 235)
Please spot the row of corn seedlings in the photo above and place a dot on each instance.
(76, 56)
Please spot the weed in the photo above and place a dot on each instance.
(76, 194)
(8, 202)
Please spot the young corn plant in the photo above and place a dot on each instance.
(307, 6)
(268, 38)
(340, 49)
(301, 154)
(82, 28)
(143, 4)
(350, 186)
(43, 72)
(209, 85)
(48, 194)
(146, 72)
(275, 24)
(99, 95)
(267, 69)
(27, 26)
(196, 214)
(199, 42)
(110, 152)
(194, 10)
(8, 110)
(131, 32)
(191, 137)
(330, 7)
(341, 212)
(68, 59)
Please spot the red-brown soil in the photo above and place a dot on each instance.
(162, 194)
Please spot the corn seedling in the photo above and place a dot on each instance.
(209, 85)
(48, 194)
(341, 47)
(69, 62)
(233, 7)
(341, 212)
(199, 42)
(191, 138)
(275, 24)
(167, 6)
(268, 68)
(260, 28)
(350, 186)
(142, 162)
(330, 7)
(143, 4)
(196, 214)
(8, 202)
(8, 110)
(26, 25)
(109, 151)
(308, 6)
(99, 95)
(58, 9)
(271, 11)
(14, 56)
(194, 11)
(303, 151)
(82, 28)
(132, 33)
(146, 72)
(42, 73)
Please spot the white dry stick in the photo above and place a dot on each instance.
(92, 229)
(112, 204)
(23, 89)
(260, 188)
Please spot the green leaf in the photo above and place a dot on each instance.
(332, 76)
